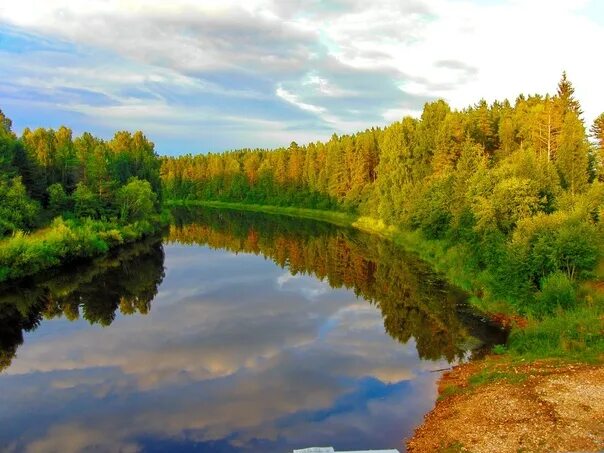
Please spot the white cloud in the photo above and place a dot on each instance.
(344, 66)
(295, 100)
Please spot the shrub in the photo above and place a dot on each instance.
(86, 203)
(557, 291)
(17, 210)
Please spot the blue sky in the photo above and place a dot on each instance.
(200, 76)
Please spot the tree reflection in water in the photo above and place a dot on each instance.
(414, 301)
(126, 280)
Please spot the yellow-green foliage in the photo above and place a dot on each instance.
(63, 241)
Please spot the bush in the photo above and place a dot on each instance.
(557, 291)
(17, 210)
(86, 203)
(64, 241)
(576, 333)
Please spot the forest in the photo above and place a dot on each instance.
(65, 198)
(512, 193)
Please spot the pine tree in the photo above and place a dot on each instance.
(597, 131)
(566, 98)
(548, 127)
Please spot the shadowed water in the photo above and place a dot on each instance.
(238, 332)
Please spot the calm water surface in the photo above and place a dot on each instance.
(235, 333)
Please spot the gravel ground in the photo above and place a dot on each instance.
(555, 409)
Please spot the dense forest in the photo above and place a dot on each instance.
(80, 196)
(516, 190)
(512, 194)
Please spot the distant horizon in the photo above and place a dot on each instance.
(199, 77)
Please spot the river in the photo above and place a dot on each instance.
(232, 332)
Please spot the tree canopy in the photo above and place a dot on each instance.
(47, 173)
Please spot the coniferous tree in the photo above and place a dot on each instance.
(566, 97)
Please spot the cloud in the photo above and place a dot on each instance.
(294, 99)
(193, 73)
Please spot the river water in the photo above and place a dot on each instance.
(233, 332)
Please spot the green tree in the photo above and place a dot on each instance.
(136, 200)
(86, 202)
(566, 97)
(597, 133)
(572, 158)
(6, 127)
(17, 210)
(58, 200)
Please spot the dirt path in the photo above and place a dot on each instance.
(540, 407)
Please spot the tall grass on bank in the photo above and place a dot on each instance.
(63, 241)
(565, 321)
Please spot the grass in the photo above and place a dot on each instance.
(576, 334)
(22, 254)
(489, 373)
(488, 376)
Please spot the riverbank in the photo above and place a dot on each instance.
(573, 335)
(64, 241)
(549, 406)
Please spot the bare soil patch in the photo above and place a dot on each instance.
(541, 407)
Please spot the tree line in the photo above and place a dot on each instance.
(65, 198)
(517, 188)
(47, 173)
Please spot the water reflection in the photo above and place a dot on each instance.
(237, 354)
(127, 280)
(414, 301)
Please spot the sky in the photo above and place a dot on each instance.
(206, 75)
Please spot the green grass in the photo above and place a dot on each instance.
(487, 375)
(576, 334)
(450, 390)
(22, 254)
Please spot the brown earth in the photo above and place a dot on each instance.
(540, 407)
